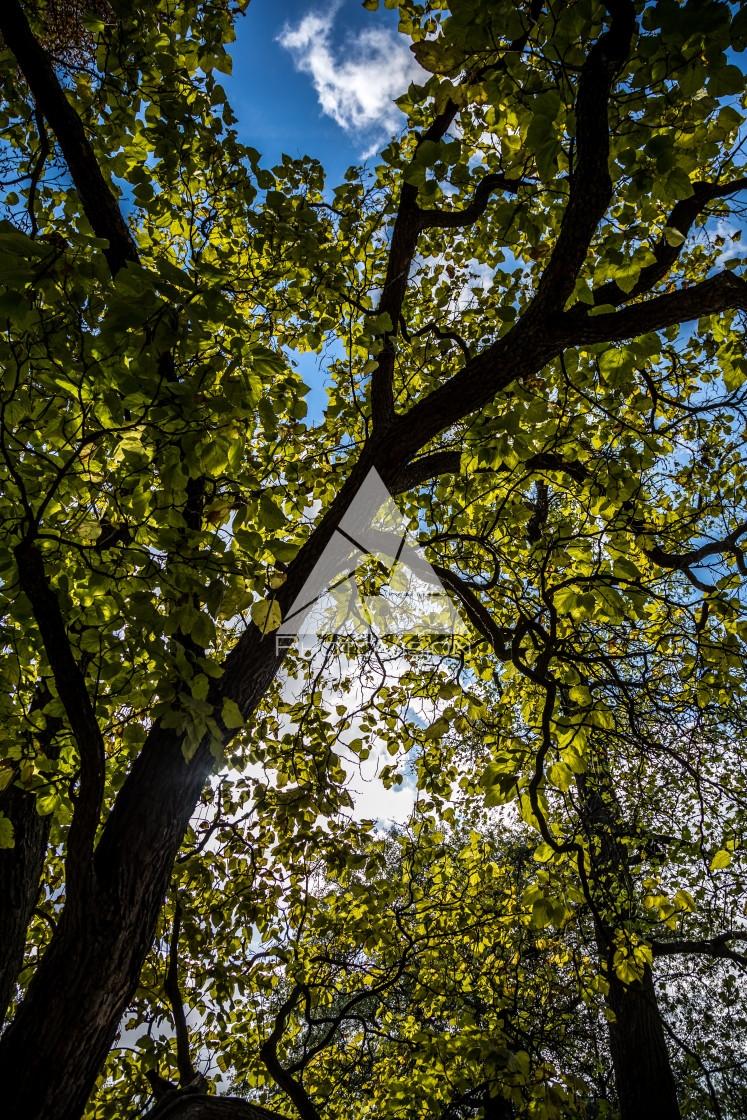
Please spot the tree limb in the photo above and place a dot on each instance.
(21, 866)
(401, 253)
(709, 297)
(591, 185)
(99, 203)
(426, 468)
(681, 219)
(455, 219)
(71, 687)
(37, 169)
(269, 1054)
(407, 227)
(197, 1106)
(686, 560)
(716, 947)
(478, 615)
(187, 1072)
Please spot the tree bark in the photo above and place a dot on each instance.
(187, 1106)
(20, 874)
(21, 866)
(54, 1049)
(644, 1080)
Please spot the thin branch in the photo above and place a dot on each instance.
(46, 918)
(187, 1072)
(698, 1061)
(434, 328)
(681, 218)
(686, 560)
(479, 616)
(37, 169)
(454, 219)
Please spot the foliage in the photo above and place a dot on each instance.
(544, 361)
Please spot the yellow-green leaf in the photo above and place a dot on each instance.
(266, 615)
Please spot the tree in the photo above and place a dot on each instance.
(158, 480)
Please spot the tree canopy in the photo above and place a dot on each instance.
(537, 300)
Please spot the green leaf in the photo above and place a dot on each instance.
(266, 615)
(231, 715)
(439, 57)
(271, 516)
(673, 236)
(437, 729)
(725, 81)
(6, 832)
(88, 530)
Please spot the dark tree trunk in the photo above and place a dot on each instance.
(645, 1084)
(187, 1106)
(21, 866)
(58, 1041)
(20, 874)
(497, 1108)
(644, 1080)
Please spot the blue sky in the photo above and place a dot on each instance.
(317, 78)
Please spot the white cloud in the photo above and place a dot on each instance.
(356, 80)
(727, 231)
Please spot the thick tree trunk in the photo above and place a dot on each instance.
(645, 1084)
(644, 1080)
(20, 873)
(186, 1106)
(22, 865)
(54, 1049)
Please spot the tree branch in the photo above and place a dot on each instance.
(187, 1072)
(401, 252)
(197, 1106)
(433, 328)
(37, 169)
(424, 469)
(71, 687)
(686, 560)
(709, 297)
(478, 615)
(591, 185)
(269, 1054)
(428, 467)
(454, 219)
(21, 866)
(681, 219)
(407, 227)
(716, 947)
(99, 203)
